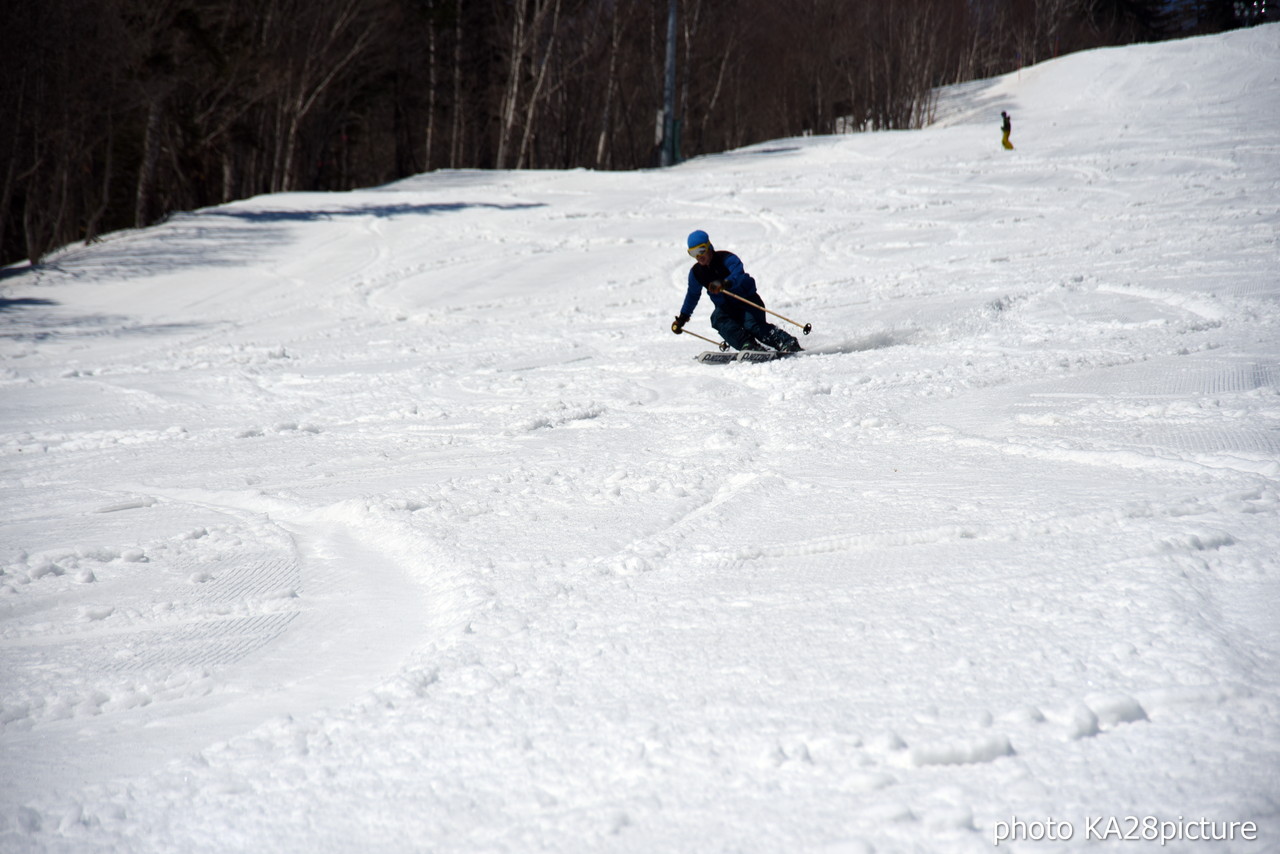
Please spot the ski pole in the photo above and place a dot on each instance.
(807, 327)
(723, 345)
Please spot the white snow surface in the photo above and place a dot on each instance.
(397, 520)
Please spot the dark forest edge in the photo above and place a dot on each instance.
(120, 112)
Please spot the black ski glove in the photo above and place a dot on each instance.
(678, 326)
(716, 287)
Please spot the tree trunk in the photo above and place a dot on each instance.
(511, 91)
(147, 171)
(108, 170)
(534, 96)
(433, 84)
(455, 141)
(603, 151)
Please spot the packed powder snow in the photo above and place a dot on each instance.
(398, 520)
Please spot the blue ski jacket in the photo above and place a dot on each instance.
(726, 267)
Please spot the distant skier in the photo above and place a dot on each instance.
(742, 326)
(1006, 129)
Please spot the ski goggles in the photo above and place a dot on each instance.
(699, 250)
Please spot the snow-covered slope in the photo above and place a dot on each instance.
(397, 520)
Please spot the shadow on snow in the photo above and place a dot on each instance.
(379, 211)
(7, 305)
(225, 236)
(50, 327)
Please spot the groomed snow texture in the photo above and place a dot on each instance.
(398, 521)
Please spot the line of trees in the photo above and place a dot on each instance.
(118, 112)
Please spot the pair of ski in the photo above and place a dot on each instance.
(724, 357)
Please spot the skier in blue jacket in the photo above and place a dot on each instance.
(742, 326)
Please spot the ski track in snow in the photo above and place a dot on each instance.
(392, 521)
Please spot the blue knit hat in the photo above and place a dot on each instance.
(697, 238)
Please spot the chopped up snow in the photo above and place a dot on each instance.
(396, 520)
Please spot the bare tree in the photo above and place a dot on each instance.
(324, 47)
